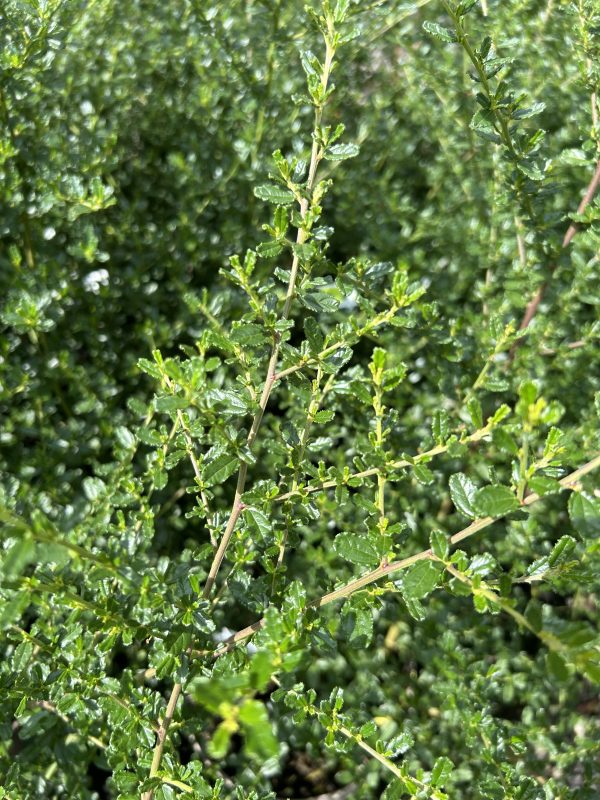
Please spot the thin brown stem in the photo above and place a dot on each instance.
(52, 709)
(534, 303)
(548, 351)
(161, 736)
(237, 507)
(587, 199)
(501, 120)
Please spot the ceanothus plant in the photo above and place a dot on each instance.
(333, 556)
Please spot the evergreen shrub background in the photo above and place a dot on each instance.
(136, 143)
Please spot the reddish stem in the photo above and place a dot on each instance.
(534, 303)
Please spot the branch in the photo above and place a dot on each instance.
(534, 304)
(386, 762)
(161, 736)
(568, 482)
(393, 465)
(237, 507)
(314, 361)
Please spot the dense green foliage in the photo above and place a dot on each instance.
(293, 248)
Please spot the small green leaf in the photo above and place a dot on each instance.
(228, 401)
(561, 551)
(341, 9)
(483, 123)
(442, 769)
(482, 564)
(339, 152)
(167, 403)
(503, 440)
(125, 437)
(440, 426)
(542, 485)
(464, 7)
(440, 544)
(150, 437)
(368, 729)
(444, 34)
(553, 443)
(272, 193)
(415, 607)
(314, 336)
(399, 745)
(356, 625)
(378, 360)
(393, 377)
(310, 64)
(150, 368)
(423, 474)
(420, 579)
(334, 362)
(528, 393)
(496, 384)
(462, 491)
(486, 46)
(219, 744)
(295, 599)
(484, 605)
(94, 488)
(475, 412)
(357, 549)
(21, 656)
(584, 511)
(21, 553)
(260, 742)
(258, 521)
(319, 301)
(531, 169)
(495, 501)
(247, 334)
(557, 667)
(218, 466)
(531, 111)
(269, 249)
(13, 608)
(534, 615)
(501, 413)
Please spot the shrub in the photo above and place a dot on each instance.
(283, 512)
